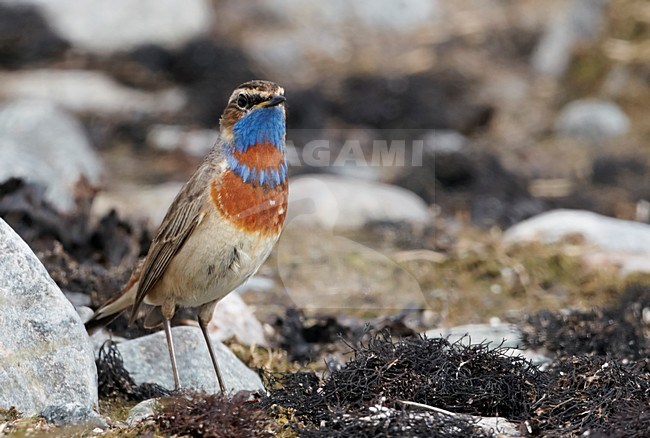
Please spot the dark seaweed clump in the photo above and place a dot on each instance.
(366, 397)
(114, 381)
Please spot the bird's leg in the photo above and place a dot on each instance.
(204, 316)
(167, 310)
(172, 355)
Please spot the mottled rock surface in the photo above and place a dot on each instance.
(141, 411)
(46, 361)
(73, 413)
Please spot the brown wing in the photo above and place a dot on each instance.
(184, 214)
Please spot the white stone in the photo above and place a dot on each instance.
(445, 141)
(44, 144)
(233, 318)
(83, 91)
(46, 360)
(592, 119)
(497, 335)
(195, 142)
(607, 233)
(505, 335)
(111, 25)
(142, 410)
(340, 202)
(626, 262)
(147, 361)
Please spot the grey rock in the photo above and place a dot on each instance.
(580, 22)
(109, 25)
(141, 411)
(100, 336)
(149, 203)
(44, 144)
(147, 360)
(78, 299)
(505, 335)
(47, 361)
(592, 119)
(347, 203)
(617, 243)
(73, 413)
(194, 142)
(609, 234)
(627, 263)
(83, 91)
(233, 318)
(444, 141)
(84, 312)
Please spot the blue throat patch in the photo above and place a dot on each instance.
(263, 125)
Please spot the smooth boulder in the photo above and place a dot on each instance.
(622, 244)
(592, 119)
(147, 361)
(340, 202)
(607, 233)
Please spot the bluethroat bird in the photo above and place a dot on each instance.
(222, 224)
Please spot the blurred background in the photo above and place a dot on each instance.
(518, 108)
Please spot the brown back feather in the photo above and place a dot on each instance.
(184, 214)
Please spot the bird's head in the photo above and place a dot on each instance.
(255, 113)
(253, 132)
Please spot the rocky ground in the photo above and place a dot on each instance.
(512, 233)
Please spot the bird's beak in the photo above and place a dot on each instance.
(274, 101)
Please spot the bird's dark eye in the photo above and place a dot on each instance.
(242, 101)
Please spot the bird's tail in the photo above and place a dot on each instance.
(113, 308)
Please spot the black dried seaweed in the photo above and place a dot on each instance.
(458, 378)
(595, 395)
(115, 381)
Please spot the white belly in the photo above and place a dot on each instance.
(213, 262)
